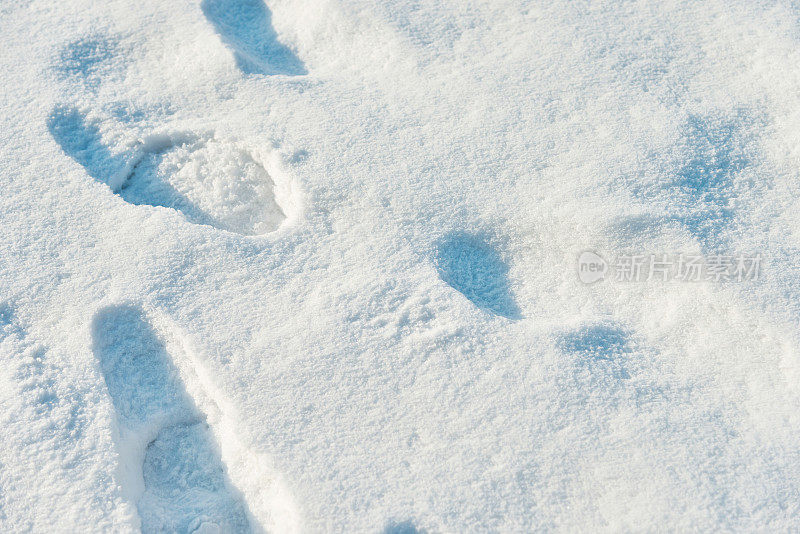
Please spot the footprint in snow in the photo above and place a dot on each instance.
(472, 266)
(246, 27)
(208, 180)
(170, 459)
(182, 463)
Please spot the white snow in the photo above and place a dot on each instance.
(310, 266)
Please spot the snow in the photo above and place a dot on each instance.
(310, 266)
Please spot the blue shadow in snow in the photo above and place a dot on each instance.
(126, 113)
(130, 114)
(185, 480)
(147, 186)
(718, 151)
(599, 341)
(717, 155)
(139, 373)
(87, 59)
(246, 26)
(702, 189)
(404, 527)
(6, 314)
(81, 140)
(474, 268)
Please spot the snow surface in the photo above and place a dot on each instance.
(309, 266)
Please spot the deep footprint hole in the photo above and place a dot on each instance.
(210, 182)
(186, 484)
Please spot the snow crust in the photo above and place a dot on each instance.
(310, 266)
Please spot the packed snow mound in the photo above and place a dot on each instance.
(316, 266)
